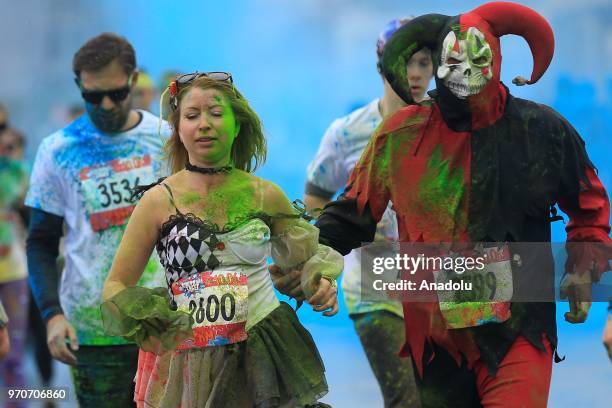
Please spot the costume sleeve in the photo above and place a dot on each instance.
(583, 198)
(327, 172)
(351, 220)
(46, 188)
(369, 181)
(42, 248)
(137, 313)
(298, 247)
(342, 227)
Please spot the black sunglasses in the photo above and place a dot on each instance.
(185, 79)
(95, 97)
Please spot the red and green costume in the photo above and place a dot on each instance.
(485, 168)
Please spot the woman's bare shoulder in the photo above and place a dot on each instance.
(156, 203)
(275, 200)
(174, 180)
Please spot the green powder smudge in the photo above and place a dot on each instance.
(441, 191)
(228, 204)
(189, 198)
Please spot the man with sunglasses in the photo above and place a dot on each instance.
(81, 183)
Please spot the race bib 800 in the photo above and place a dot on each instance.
(218, 303)
(107, 189)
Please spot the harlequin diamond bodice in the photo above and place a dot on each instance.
(189, 245)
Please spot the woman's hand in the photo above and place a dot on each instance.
(325, 298)
(289, 284)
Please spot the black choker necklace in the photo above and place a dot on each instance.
(208, 170)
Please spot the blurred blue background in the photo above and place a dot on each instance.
(303, 63)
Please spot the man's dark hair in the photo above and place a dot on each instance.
(101, 50)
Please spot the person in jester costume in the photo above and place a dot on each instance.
(478, 165)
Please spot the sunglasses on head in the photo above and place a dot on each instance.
(185, 79)
(95, 97)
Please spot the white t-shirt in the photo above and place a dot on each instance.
(85, 176)
(341, 147)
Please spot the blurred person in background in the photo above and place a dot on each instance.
(81, 184)
(144, 91)
(4, 123)
(75, 111)
(13, 272)
(37, 332)
(5, 341)
(378, 323)
(13, 143)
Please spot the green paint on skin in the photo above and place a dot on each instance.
(225, 127)
(230, 126)
(441, 191)
(232, 200)
(188, 199)
(226, 204)
(229, 121)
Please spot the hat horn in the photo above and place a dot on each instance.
(511, 18)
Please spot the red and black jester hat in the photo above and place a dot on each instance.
(493, 20)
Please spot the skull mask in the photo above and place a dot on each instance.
(465, 64)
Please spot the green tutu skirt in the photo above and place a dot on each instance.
(277, 366)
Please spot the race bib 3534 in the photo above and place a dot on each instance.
(107, 189)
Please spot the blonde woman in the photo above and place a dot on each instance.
(217, 335)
